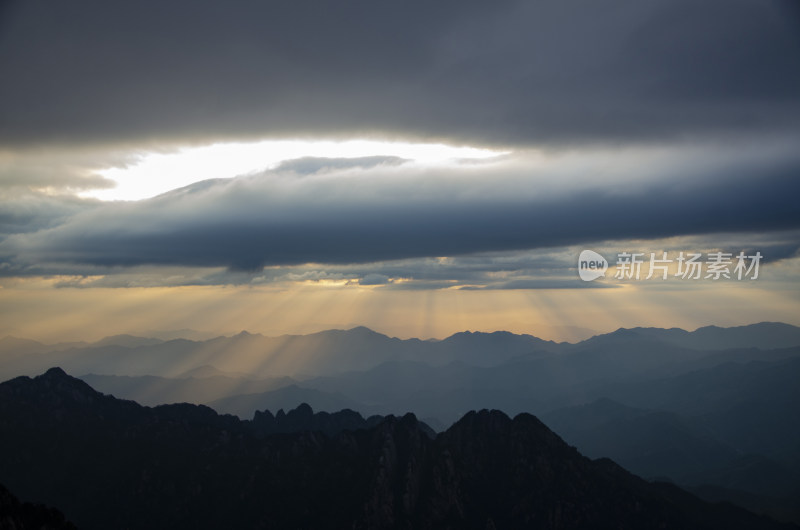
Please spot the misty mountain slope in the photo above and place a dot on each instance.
(529, 382)
(764, 335)
(695, 452)
(206, 371)
(445, 392)
(448, 391)
(248, 353)
(23, 354)
(714, 358)
(335, 352)
(164, 358)
(655, 443)
(327, 352)
(13, 347)
(109, 463)
(152, 390)
(489, 349)
(10, 345)
(726, 383)
(287, 397)
(128, 341)
(649, 443)
(750, 406)
(781, 509)
(551, 382)
(628, 353)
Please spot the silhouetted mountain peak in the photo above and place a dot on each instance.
(175, 465)
(66, 400)
(406, 420)
(620, 334)
(246, 335)
(55, 373)
(495, 430)
(357, 333)
(755, 329)
(303, 418)
(56, 382)
(624, 332)
(128, 341)
(764, 335)
(303, 411)
(466, 335)
(202, 372)
(364, 330)
(483, 419)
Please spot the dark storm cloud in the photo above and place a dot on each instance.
(509, 71)
(28, 212)
(391, 213)
(57, 169)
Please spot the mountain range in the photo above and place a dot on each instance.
(337, 351)
(111, 463)
(713, 410)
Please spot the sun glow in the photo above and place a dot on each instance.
(157, 173)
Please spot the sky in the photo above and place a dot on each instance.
(418, 168)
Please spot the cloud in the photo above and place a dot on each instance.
(24, 211)
(388, 213)
(312, 164)
(58, 169)
(534, 283)
(374, 279)
(548, 268)
(507, 72)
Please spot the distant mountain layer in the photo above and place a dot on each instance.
(695, 452)
(333, 352)
(766, 335)
(720, 420)
(715, 420)
(109, 463)
(245, 405)
(153, 390)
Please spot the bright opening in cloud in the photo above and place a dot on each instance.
(157, 173)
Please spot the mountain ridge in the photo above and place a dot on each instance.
(155, 468)
(338, 351)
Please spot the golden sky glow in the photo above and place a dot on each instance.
(82, 275)
(38, 311)
(420, 185)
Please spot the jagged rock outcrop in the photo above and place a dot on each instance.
(303, 418)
